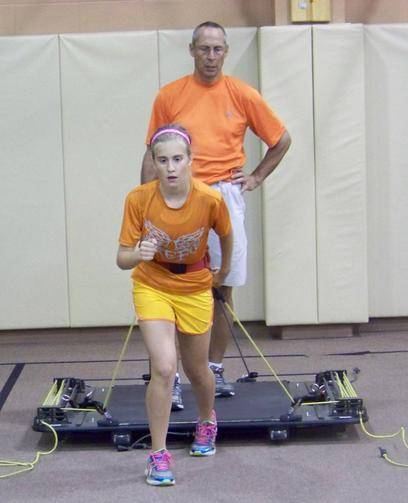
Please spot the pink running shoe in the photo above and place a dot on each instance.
(158, 471)
(204, 439)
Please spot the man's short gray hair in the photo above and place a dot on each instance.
(208, 24)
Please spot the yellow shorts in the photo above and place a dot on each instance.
(192, 314)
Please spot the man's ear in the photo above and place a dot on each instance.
(191, 48)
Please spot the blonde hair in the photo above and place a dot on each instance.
(171, 132)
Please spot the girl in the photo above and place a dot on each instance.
(164, 240)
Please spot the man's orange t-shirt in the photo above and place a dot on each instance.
(217, 117)
(181, 234)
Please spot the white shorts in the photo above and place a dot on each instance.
(236, 206)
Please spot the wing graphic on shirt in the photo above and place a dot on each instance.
(153, 232)
(178, 249)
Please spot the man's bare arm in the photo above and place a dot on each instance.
(272, 158)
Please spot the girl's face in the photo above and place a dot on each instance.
(172, 162)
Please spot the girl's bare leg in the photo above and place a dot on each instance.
(159, 338)
(194, 356)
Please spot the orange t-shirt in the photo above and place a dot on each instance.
(217, 117)
(181, 234)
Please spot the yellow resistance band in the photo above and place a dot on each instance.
(346, 390)
(384, 454)
(118, 363)
(27, 466)
(53, 398)
(53, 391)
(235, 317)
(54, 395)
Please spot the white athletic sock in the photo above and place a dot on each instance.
(216, 365)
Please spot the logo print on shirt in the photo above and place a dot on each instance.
(174, 249)
(229, 114)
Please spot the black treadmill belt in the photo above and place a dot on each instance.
(260, 404)
(252, 402)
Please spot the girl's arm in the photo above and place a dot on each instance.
(226, 243)
(129, 257)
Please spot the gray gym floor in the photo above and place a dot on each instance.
(311, 466)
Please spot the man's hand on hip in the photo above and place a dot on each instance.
(247, 182)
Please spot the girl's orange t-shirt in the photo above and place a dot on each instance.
(181, 234)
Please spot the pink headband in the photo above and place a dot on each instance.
(170, 130)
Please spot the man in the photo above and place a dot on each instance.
(217, 109)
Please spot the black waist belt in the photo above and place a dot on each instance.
(184, 268)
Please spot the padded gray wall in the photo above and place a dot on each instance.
(72, 145)
(341, 220)
(289, 193)
(33, 266)
(108, 80)
(315, 203)
(386, 66)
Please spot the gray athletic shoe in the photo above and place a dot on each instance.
(222, 388)
(158, 471)
(176, 397)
